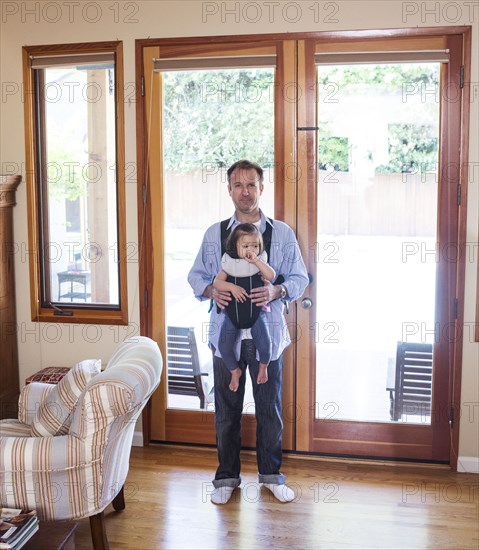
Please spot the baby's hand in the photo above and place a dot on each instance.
(251, 257)
(239, 293)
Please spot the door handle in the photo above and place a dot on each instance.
(306, 303)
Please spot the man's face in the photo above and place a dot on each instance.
(245, 190)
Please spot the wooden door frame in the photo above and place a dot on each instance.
(458, 40)
(146, 274)
(152, 321)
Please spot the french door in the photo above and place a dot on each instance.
(226, 96)
(363, 134)
(384, 210)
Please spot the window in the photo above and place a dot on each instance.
(75, 143)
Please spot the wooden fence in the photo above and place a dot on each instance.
(389, 204)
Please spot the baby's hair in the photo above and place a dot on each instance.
(240, 230)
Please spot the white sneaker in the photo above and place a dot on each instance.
(282, 492)
(221, 495)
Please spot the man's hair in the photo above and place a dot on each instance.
(231, 245)
(245, 165)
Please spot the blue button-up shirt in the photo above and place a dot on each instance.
(284, 257)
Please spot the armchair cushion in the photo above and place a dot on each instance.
(12, 427)
(54, 413)
(29, 401)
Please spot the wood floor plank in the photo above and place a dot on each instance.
(339, 505)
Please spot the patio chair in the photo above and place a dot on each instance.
(412, 394)
(78, 281)
(184, 371)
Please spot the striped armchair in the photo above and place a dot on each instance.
(70, 460)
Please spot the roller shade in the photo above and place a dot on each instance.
(220, 62)
(413, 56)
(106, 59)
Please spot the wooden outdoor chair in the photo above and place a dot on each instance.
(412, 394)
(184, 372)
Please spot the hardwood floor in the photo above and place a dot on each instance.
(339, 504)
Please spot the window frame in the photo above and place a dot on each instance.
(65, 312)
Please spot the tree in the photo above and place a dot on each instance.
(412, 148)
(217, 117)
(333, 152)
(65, 179)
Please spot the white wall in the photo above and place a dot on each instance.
(34, 22)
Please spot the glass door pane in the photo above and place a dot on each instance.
(80, 230)
(377, 216)
(211, 118)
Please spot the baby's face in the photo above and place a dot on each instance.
(248, 243)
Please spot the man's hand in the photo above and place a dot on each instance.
(221, 298)
(262, 295)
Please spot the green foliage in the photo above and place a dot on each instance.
(65, 179)
(412, 148)
(392, 76)
(333, 152)
(217, 117)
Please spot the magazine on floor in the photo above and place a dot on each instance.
(16, 527)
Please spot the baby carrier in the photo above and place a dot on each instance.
(245, 314)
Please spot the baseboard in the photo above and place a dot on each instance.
(137, 439)
(469, 464)
(465, 464)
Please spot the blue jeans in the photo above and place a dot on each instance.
(269, 422)
(261, 339)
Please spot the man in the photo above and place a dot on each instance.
(245, 186)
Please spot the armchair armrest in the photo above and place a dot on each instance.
(53, 475)
(31, 396)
